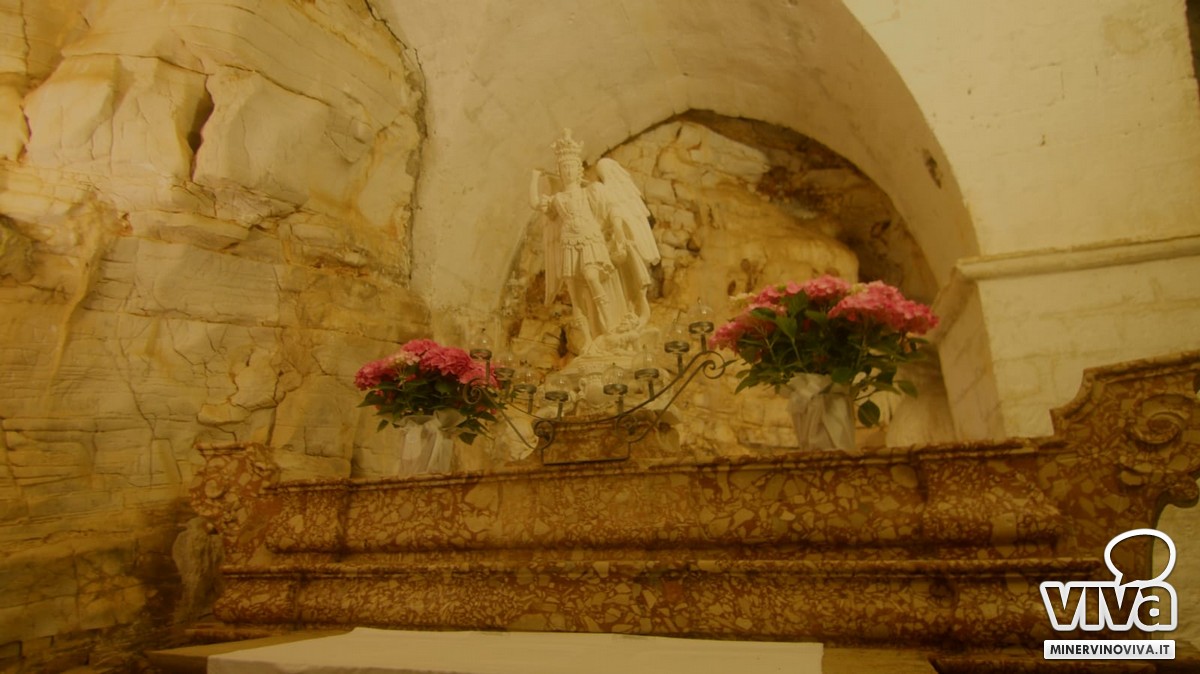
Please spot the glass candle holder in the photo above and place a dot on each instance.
(505, 368)
(678, 343)
(701, 323)
(481, 348)
(646, 371)
(524, 387)
(558, 391)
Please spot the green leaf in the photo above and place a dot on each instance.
(868, 413)
(884, 386)
(796, 303)
(907, 387)
(788, 325)
(382, 425)
(744, 384)
(842, 375)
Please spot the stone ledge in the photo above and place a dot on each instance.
(194, 659)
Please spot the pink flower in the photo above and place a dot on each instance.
(477, 372)
(917, 318)
(825, 288)
(777, 307)
(864, 303)
(384, 369)
(419, 346)
(884, 304)
(780, 332)
(727, 335)
(768, 296)
(423, 377)
(447, 360)
(374, 373)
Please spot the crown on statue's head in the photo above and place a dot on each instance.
(567, 149)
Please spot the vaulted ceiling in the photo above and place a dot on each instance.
(502, 79)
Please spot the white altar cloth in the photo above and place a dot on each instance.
(374, 651)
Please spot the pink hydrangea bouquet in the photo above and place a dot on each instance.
(857, 334)
(426, 379)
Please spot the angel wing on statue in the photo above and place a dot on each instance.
(631, 242)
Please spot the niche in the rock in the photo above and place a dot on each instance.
(738, 204)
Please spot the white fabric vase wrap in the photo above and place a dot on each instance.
(823, 415)
(429, 442)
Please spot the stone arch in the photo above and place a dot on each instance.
(507, 81)
(738, 204)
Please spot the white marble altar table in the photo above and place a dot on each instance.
(375, 651)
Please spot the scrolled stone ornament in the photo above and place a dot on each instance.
(1160, 419)
(1158, 423)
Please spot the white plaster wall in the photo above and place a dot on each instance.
(1072, 127)
(1023, 328)
(1048, 327)
(965, 353)
(1069, 122)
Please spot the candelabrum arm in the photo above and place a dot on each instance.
(637, 419)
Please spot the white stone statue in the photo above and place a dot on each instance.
(598, 244)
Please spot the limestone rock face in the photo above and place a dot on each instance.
(203, 233)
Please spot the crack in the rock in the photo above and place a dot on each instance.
(415, 78)
(277, 83)
(25, 35)
(195, 135)
(386, 26)
(137, 403)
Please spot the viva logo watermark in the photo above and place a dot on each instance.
(1115, 606)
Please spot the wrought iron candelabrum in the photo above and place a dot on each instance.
(515, 394)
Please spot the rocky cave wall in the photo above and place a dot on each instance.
(204, 227)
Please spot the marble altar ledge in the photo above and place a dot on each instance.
(374, 651)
